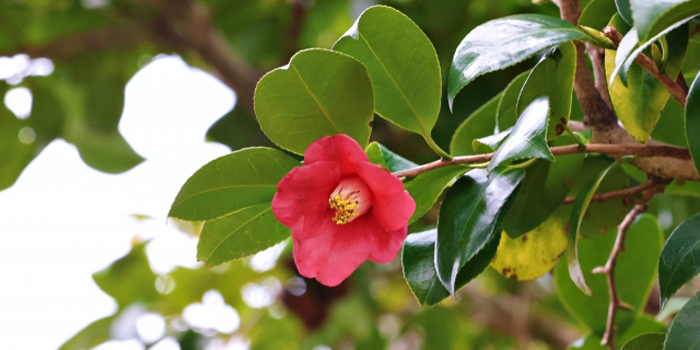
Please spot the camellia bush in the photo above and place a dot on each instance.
(559, 178)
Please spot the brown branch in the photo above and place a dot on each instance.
(611, 149)
(299, 8)
(609, 268)
(628, 192)
(647, 63)
(596, 112)
(597, 56)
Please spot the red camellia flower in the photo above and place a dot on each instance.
(342, 210)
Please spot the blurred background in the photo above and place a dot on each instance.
(110, 105)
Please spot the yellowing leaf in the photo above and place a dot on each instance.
(534, 253)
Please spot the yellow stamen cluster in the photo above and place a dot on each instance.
(344, 209)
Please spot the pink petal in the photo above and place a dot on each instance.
(302, 195)
(393, 206)
(335, 251)
(387, 244)
(338, 148)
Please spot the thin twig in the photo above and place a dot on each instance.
(628, 192)
(609, 268)
(647, 63)
(642, 151)
(597, 56)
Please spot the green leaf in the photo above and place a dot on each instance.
(427, 187)
(684, 332)
(507, 112)
(418, 261)
(528, 138)
(490, 143)
(640, 118)
(129, 279)
(479, 124)
(378, 154)
(234, 182)
(319, 93)
(503, 42)
(648, 341)
(545, 183)
(16, 155)
(91, 336)
(470, 216)
(578, 212)
(652, 17)
(597, 14)
(635, 274)
(238, 129)
(403, 66)
(239, 234)
(692, 121)
(683, 188)
(680, 258)
(623, 7)
(107, 152)
(671, 123)
(553, 76)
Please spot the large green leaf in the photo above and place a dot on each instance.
(651, 17)
(648, 341)
(640, 118)
(418, 261)
(427, 187)
(597, 14)
(692, 121)
(578, 212)
(528, 138)
(680, 258)
(684, 332)
(479, 124)
(234, 182)
(671, 123)
(239, 234)
(378, 154)
(319, 93)
(403, 66)
(545, 183)
(470, 216)
(635, 274)
(623, 8)
(130, 279)
(503, 42)
(552, 77)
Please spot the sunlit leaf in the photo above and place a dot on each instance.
(378, 154)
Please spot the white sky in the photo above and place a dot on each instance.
(63, 221)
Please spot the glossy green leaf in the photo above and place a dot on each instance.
(545, 183)
(528, 138)
(680, 258)
(427, 187)
(91, 336)
(378, 154)
(553, 77)
(479, 124)
(403, 66)
(648, 341)
(418, 261)
(130, 279)
(299, 103)
(684, 332)
(651, 17)
(635, 274)
(623, 8)
(234, 182)
(692, 121)
(490, 143)
(640, 118)
(671, 123)
(597, 14)
(239, 234)
(470, 216)
(578, 212)
(503, 42)
(507, 112)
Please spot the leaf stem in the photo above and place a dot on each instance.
(611, 149)
(571, 134)
(627, 192)
(434, 146)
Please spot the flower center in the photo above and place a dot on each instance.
(350, 199)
